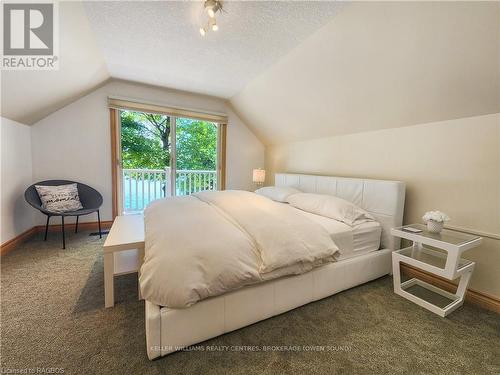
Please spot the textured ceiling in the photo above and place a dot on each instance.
(380, 65)
(159, 42)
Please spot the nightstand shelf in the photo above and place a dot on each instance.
(437, 297)
(443, 260)
(434, 261)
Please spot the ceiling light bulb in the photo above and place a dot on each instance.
(215, 27)
(211, 12)
(203, 31)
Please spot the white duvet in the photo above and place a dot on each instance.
(210, 243)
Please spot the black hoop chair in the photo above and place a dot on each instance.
(90, 198)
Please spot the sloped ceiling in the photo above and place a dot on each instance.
(159, 42)
(292, 70)
(380, 65)
(28, 96)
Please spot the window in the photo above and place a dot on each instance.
(157, 154)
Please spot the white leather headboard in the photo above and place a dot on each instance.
(383, 199)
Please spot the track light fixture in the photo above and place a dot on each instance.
(211, 7)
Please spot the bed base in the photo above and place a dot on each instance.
(169, 330)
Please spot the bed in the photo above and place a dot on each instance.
(365, 254)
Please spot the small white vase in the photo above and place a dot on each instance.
(435, 226)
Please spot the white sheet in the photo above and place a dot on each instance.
(352, 241)
(210, 243)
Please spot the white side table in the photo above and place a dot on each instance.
(445, 261)
(123, 252)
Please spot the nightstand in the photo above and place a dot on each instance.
(438, 254)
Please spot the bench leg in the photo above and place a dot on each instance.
(76, 226)
(109, 295)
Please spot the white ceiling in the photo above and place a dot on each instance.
(159, 43)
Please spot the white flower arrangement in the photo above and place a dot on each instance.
(437, 216)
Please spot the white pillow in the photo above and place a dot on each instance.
(330, 206)
(277, 193)
(61, 198)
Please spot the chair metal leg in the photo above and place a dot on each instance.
(64, 239)
(99, 223)
(76, 227)
(46, 228)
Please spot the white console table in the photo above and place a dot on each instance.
(439, 254)
(123, 252)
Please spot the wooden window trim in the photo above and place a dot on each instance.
(222, 156)
(122, 104)
(115, 155)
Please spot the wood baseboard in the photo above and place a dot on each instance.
(13, 243)
(71, 226)
(473, 296)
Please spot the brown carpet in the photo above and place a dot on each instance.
(53, 316)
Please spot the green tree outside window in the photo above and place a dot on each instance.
(146, 142)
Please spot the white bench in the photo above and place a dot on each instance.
(123, 252)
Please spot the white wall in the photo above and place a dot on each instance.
(452, 166)
(74, 142)
(244, 153)
(16, 175)
(380, 65)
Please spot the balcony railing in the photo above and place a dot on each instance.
(142, 186)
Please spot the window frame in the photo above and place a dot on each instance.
(115, 131)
